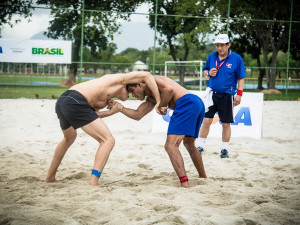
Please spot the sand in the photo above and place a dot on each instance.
(258, 184)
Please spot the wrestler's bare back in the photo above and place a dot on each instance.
(100, 91)
(178, 90)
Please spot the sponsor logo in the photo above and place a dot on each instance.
(243, 116)
(168, 115)
(17, 50)
(228, 65)
(47, 51)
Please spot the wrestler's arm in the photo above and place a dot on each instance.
(140, 112)
(166, 92)
(107, 113)
(113, 109)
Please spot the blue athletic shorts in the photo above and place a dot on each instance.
(187, 116)
(73, 109)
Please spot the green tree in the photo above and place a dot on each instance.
(122, 62)
(99, 24)
(181, 30)
(144, 55)
(101, 60)
(132, 54)
(106, 56)
(248, 43)
(136, 55)
(10, 8)
(160, 58)
(295, 32)
(272, 34)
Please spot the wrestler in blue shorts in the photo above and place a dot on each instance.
(187, 117)
(184, 124)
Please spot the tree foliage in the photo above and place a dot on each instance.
(10, 8)
(182, 30)
(256, 29)
(295, 37)
(262, 28)
(99, 24)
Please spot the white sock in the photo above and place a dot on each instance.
(200, 142)
(225, 145)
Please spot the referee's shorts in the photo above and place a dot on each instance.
(223, 104)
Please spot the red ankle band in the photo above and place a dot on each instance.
(183, 179)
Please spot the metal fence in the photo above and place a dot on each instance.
(135, 47)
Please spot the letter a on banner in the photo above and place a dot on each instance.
(243, 116)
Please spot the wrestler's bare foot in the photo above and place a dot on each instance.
(185, 184)
(93, 180)
(50, 180)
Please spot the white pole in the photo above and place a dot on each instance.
(201, 74)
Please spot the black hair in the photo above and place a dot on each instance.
(130, 85)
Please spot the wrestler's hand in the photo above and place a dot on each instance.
(161, 110)
(110, 104)
(237, 100)
(156, 108)
(213, 72)
(117, 107)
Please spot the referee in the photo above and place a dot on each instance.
(226, 71)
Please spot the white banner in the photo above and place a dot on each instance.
(247, 117)
(35, 51)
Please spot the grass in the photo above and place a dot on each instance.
(292, 95)
(53, 92)
(46, 92)
(21, 79)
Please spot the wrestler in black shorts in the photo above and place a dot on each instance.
(223, 104)
(72, 109)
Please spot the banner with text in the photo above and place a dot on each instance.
(35, 51)
(247, 117)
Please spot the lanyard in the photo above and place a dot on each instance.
(218, 67)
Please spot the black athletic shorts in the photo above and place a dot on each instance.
(72, 109)
(223, 104)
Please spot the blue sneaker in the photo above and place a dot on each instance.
(200, 149)
(224, 153)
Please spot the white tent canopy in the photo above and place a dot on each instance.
(140, 66)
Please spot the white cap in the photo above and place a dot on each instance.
(222, 38)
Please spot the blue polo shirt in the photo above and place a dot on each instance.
(229, 73)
